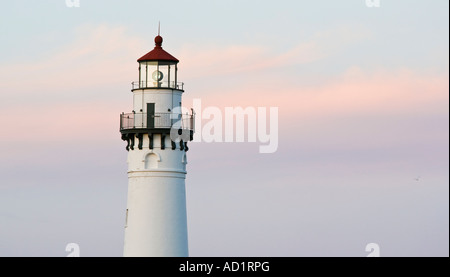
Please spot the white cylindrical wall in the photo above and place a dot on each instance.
(156, 216)
(164, 99)
(156, 223)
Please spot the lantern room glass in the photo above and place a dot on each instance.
(157, 74)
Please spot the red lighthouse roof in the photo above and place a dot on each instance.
(158, 54)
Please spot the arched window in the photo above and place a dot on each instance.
(151, 160)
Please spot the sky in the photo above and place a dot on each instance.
(363, 124)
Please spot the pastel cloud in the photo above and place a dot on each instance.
(101, 58)
(353, 92)
(95, 56)
(76, 90)
(355, 109)
(216, 60)
(386, 92)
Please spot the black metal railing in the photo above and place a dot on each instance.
(145, 84)
(156, 121)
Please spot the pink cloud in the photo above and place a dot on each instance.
(387, 107)
(383, 92)
(352, 93)
(55, 97)
(97, 55)
(103, 57)
(216, 60)
(71, 121)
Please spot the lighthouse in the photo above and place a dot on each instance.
(157, 132)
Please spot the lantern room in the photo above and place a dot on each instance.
(158, 69)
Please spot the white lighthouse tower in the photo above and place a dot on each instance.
(157, 132)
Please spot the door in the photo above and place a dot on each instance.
(151, 115)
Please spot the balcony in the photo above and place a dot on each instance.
(133, 121)
(157, 85)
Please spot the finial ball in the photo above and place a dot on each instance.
(158, 40)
